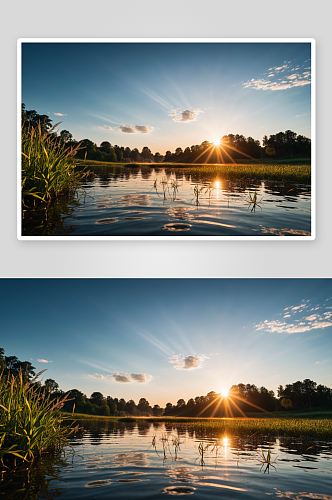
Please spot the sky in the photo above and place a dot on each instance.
(169, 95)
(167, 339)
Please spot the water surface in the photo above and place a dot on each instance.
(170, 202)
(144, 460)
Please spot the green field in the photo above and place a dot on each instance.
(298, 170)
(310, 424)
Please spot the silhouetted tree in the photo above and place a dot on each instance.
(97, 398)
(51, 385)
(66, 136)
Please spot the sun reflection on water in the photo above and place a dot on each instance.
(225, 442)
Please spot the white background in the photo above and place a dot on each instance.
(171, 18)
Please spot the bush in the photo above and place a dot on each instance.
(29, 421)
(47, 166)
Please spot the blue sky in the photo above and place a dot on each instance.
(169, 95)
(166, 339)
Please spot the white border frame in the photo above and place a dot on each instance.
(312, 41)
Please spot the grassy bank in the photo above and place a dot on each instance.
(278, 171)
(320, 428)
(48, 169)
(30, 424)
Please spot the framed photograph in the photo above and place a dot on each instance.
(166, 139)
(209, 388)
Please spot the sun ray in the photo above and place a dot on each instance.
(203, 152)
(217, 407)
(251, 404)
(241, 411)
(206, 407)
(237, 151)
(207, 159)
(229, 156)
(228, 409)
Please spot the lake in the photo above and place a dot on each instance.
(140, 460)
(146, 201)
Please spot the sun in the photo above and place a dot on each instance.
(216, 142)
(224, 393)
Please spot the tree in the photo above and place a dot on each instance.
(13, 365)
(130, 407)
(112, 156)
(51, 385)
(97, 398)
(106, 147)
(309, 390)
(112, 405)
(146, 153)
(32, 119)
(121, 404)
(104, 409)
(2, 359)
(157, 411)
(158, 158)
(168, 156)
(211, 395)
(144, 405)
(181, 403)
(134, 155)
(169, 409)
(290, 140)
(118, 152)
(66, 136)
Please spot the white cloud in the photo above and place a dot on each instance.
(59, 114)
(126, 129)
(186, 115)
(144, 129)
(298, 79)
(188, 362)
(105, 127)
(311, 318)
(97, 375)
(124, 378)
(140, 377)
(268, 85)
(307, 323)
(133, 129)
(281, 68)
(322, 324)
(43, 361)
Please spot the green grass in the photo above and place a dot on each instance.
(30, 423)
(283, 170)
(310, 414)
(277, 172)
(48, 168)
(320, 428)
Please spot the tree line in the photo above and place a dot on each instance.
(232, 147)
(242, 398)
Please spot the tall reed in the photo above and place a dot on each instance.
(30, 423)
(47, 164)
